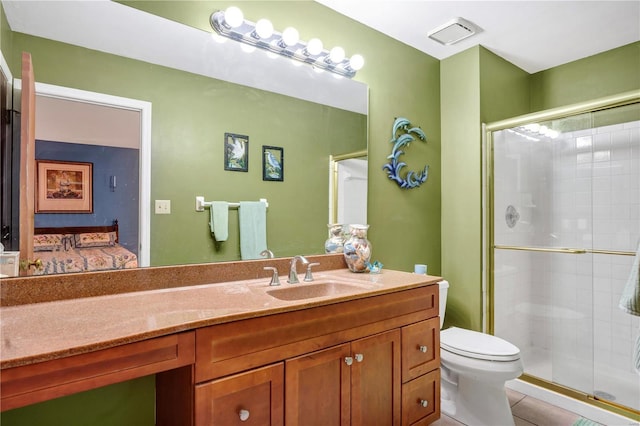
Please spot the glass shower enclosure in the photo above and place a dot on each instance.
(563, 226)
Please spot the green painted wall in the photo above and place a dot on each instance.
(5, 37)
(461, 225)
(504, 88)
(476, 86)
(605, 74)
(130, 403)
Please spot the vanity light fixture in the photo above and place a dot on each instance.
(231, 23)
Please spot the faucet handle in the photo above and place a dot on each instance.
(275, 280)
(308, 277)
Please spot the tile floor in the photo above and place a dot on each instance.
(527, 411)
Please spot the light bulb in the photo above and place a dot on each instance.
(356, 62)
(336, 55)
(290, 36)
(233, 17)
(314, 46)
(264, 28)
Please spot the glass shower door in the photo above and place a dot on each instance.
(541, 233)
(565, 222)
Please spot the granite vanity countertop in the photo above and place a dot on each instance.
(39, 332)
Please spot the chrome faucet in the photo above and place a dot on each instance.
(308, 277)
(267, 253)
(274, 277)
(293, 273)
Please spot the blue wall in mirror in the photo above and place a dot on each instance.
(120, 203)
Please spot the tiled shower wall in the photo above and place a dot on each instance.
(581, 190)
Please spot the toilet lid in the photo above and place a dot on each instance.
(477, 345)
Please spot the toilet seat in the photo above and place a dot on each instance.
(472, 344)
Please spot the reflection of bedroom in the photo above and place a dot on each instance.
(80, 249)
(109, 139)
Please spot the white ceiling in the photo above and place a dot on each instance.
(534, 35)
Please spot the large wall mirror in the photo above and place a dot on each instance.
(197, 91)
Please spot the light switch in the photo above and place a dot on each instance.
(163, 206)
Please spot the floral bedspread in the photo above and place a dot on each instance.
(85, 260)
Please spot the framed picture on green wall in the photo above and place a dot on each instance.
(272, 163)
(236, 152)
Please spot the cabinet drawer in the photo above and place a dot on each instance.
(252, 398)
(421, 400)
(46, 380)
(420, 348)
(228, 348)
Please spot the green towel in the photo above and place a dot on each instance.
(630, 300)
(585, 422)
(252, 216)
(219, 220)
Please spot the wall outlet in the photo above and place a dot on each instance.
(163, 206)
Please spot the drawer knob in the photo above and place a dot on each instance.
(423, 349)
(244, 415)
(348, 360)
(359, 357)
(424, 403)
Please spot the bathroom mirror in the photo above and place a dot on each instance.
(190, 114)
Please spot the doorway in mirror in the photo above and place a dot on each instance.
(349, 182)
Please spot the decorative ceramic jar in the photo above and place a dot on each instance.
(357, 249)
(336, 239)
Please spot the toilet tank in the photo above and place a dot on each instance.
(443, 289)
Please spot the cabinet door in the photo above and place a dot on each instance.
(375, 380)
(317, 388)
(251, 398)
(421, 400)
(420, 348)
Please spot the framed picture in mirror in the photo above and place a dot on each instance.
(64, 187)
(236, 152)
(272, 163)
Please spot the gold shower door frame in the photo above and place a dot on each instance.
(623, 99)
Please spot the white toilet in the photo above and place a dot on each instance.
(474, 369)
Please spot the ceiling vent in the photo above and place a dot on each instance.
(453, 31)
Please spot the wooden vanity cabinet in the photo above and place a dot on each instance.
(421, 372)
(318, 388)
(251, 398)
(358, 362)
(354, 383)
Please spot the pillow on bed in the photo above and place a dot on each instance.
(50, 242)
(95, 239)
